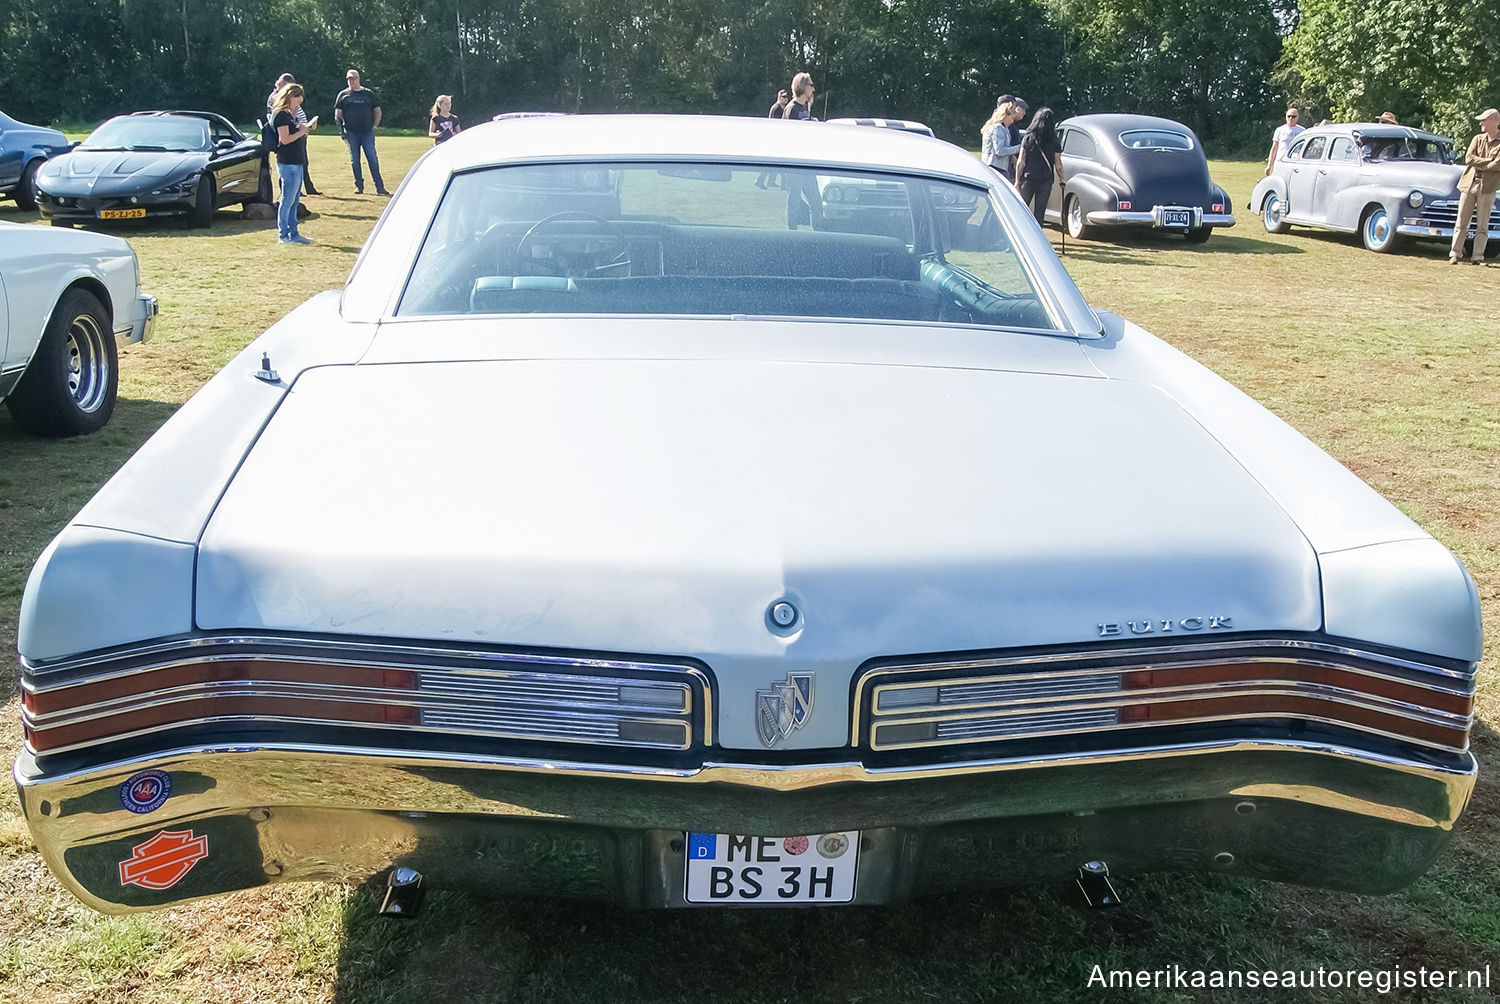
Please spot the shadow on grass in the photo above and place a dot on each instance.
(1035, 943)
(1143, 248)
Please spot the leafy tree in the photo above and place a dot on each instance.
(1435, 63)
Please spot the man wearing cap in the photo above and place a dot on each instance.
(357, 110)
(1477, 187)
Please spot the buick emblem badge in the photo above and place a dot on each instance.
(784, 708)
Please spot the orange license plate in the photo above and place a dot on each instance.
(122, 214)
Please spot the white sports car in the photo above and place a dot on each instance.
(608, 537)
(65, 299)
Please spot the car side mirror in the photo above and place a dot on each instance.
(224, 144)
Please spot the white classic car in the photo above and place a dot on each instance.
(664, 555)
(1387, 183)
(65, 299)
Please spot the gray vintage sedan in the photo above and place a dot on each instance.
(664, 555)
(1387, 183)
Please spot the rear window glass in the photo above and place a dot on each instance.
(720, 239)
(1155, 139)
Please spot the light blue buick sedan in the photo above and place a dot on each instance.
(615, 533)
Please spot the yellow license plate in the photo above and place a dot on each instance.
(121, 214)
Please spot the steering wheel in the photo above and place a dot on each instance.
(578, 262)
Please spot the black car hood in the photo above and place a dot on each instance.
(114, 172)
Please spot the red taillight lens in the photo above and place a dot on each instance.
(1125, 203)
(232, 688)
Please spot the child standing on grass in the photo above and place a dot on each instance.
(443, 125)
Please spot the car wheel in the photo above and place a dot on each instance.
(203, 209)
(70, 385)
(26, 191)
(1270, 215)
(1197, 235)
(1076, 222)
(1378, 231)
(61, 223)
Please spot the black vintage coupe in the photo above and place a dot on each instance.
(1135, 171)
(148, 164)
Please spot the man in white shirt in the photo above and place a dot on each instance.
(1282, 138)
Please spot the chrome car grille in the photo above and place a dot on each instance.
(913, 705)
(619, 702)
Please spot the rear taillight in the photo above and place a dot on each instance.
(1006, 700)
(543, 699)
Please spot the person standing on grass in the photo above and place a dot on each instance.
(1282, 138)
(1039, 164)
(291, 158)
(1477, 187)
(282, 81)
(804, 203)
(443, 126)
(357, 110)
(778, 110)
(996, 149)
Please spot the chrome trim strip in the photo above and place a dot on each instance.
(777, 777)
(1171, 723)
(382, 726)
(1269, 688)
(1413, 230)
(502, 667)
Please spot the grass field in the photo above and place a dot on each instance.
(1391, 363)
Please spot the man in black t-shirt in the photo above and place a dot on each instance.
(357, 110)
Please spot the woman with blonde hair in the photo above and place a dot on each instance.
(291, 158)
(997, 152)
(443, 126)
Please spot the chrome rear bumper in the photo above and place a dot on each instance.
(1153, 218)
(1307, 813)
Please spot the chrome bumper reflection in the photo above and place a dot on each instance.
(1309, 813)
(1421, 230)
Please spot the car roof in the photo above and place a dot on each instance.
(907, 124)
(1114, 123)
(1373, 130)
(698, 137)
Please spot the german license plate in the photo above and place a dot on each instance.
(121, 214)
(724, 869)
(1176, 217)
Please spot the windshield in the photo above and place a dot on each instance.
(1383, 148)
(149, 132)
(720, 239)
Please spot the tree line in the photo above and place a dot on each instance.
(1224, 68)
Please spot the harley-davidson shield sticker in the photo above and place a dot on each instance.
(162, 861)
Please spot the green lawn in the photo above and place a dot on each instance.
(1389, 362)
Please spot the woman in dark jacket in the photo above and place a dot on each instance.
(1039, 163)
